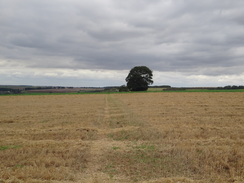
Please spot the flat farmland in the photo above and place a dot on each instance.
(132, 137)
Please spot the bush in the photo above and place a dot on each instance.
(123, 88)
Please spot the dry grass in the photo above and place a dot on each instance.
(142, 137)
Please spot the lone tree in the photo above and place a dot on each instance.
(139, 78)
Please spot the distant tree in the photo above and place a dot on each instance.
(139, 78)
(123, 88)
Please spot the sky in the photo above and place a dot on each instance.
(97, 42)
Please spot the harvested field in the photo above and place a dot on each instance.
(134, 137)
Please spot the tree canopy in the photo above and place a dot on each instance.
(139, 78)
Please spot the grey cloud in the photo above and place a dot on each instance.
(181, 35)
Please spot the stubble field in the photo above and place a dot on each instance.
(134, 137)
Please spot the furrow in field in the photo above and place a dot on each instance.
(112, 119)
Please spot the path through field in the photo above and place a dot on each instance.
(114, 117)
(141, 137)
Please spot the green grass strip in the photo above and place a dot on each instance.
(9, 147)
(105, 92)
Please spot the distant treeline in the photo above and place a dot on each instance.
(160, 86)
(123, 88)
(232, 87)
(9, 91)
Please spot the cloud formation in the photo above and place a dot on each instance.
(185, 38)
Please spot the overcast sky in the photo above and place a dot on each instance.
(97, 42)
